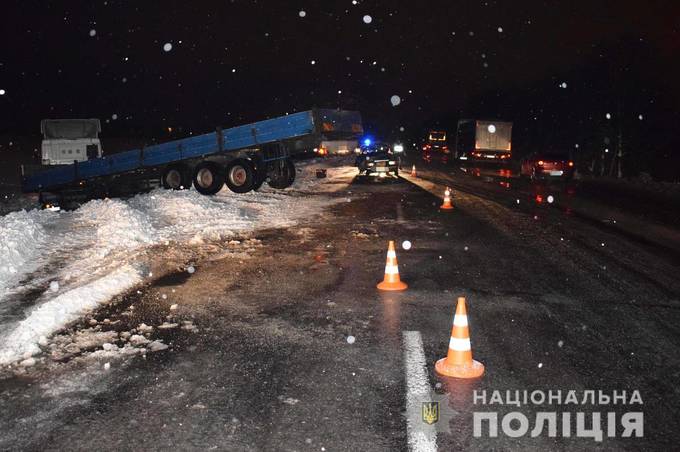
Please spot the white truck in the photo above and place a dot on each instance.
(484, 140)
(68, 140)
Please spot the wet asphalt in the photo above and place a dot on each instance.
(554, 302)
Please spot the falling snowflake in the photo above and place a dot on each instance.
(551, 199)
(167, 47)
(401, 129)
(640, 117)
(500, 29)
(351, 339)
(114, 116)
(93, 32)
(406, 245)
(368, 19)
(54, 286)
(313, 62)
(608, 116)
(395, 100)
(560, 344)
(540, 365)
(491, 128)
(2, 92)
(190, 269)
(563, 85)
(302, 13)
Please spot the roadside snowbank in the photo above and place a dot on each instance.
(21, 235)
(66, 308)
(92, 254)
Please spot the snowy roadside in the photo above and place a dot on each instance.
(77, 260)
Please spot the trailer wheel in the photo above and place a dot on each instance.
(282, 175)
(175, 177)
(208, 178)
(240, 176)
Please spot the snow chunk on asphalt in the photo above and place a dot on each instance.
(28, 362)
(157, 346)
(51, 316)
(144, 328)
(138, 340)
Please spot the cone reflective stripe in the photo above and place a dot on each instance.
(413, 171)
(447, 200)
(391, 281)
(458, 362)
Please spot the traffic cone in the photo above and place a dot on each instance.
(392, 281)
(413, 171)
(447, 200)
(458, 362)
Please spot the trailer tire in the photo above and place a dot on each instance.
(282, 177)
(208, 178)
(240, 176)
(175, 177)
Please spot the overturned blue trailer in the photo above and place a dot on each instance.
(242, 157)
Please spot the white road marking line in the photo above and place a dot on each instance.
(424, 438)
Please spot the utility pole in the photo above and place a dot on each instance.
(619, 145)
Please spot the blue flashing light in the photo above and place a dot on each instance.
(367, 142)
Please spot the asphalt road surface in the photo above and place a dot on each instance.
(285, 343)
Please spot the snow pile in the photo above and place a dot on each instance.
(81, 258)
(21, 235)
(117, 226)
(65, 308)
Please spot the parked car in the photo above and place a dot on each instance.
(547, 166)
(377, 159)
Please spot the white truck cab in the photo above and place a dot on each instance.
(69, 140)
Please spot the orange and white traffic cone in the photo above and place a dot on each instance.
(458, 362)
(413, 171)
(447, 205)
(392, 281)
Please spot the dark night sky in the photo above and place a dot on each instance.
(241, 60)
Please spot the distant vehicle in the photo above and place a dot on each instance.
(377, 159)
(547, 166)
(69, 140)
(337, 147)
(435, 147)
(484, 140)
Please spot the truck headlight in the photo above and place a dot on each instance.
(398, 148)
(391, 162)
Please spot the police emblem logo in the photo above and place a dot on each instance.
(430, 412)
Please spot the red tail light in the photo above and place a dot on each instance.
(539, 199)
(540, 163)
